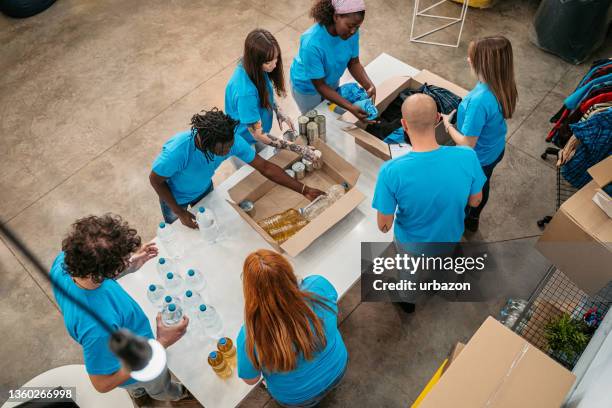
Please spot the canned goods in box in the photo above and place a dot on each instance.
(290, 173)
(312, 132)
(308, 165)
(311, 114)
(320, 121)
(299, 169)
(302, 122)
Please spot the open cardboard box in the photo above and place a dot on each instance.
(499, 369)
(270, 198)
(385, 94)
(578, 240)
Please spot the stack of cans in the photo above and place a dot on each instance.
(312, 127)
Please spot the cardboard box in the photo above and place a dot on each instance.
(499, 369)
(385, 94)
(271, 198)
(578, 240)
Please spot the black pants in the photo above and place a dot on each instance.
(474, 212)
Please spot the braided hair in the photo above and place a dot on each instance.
(211, 128)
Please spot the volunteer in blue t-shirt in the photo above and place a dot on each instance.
(249, 94)
(97, 251)
(326, 50)
(182, 172)
(482, 114)
(290, 334)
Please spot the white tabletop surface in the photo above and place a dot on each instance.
(335, 255)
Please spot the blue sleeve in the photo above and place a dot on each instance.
(321, 286)
(248, 109)
(243, 150)
(245, 367)
(478, 178)
(312, 62)
(99, 359)
(384, 198)
(168, 162)
(474, 120)
(355, 45)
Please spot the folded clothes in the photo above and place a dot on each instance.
(368, 107)
(352, 92)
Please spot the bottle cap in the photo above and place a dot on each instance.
(189, 293)
(172, 307)
(191, 272)
(162, 260)
(152, 288)
(201, 209)
(213, 355)
(223, 341)
(169, 275)
(162, 225)
(168, 299)
(202, 308)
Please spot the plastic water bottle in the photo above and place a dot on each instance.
(191, 299)
(195, 280)
(210, 321)
(173, 283)
(171, 299)
(167, 237)
(164, 265)
(155, 294)
(172, 315)
(207, 223)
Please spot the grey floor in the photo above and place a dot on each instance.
(91, 89)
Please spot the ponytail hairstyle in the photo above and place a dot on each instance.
(279, 321)
(492, 62)
(260, 47)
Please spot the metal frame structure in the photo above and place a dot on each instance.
(452, 21)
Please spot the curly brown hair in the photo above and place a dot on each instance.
(323, 12)
(99, 247)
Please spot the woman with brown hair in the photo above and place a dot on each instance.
(290, 333)
(481, 116)
(249, 94)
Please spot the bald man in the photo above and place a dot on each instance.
(426, 191)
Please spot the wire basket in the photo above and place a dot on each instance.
(564, 189)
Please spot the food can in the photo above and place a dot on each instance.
(317, 164)
(311, 114)
(290, 173)
(308, 165)
(320, 121)
(248, 207)
(312, 132)
(290, 135)
(302, 122)
(299, 169)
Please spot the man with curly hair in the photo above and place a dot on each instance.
(96, 252)
(182, 172)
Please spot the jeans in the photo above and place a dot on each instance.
(170, 216)
(474, 212)
(314, 401)
(306, 102)
(162, 388)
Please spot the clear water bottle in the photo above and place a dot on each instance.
(155, 294)
(191, 299)
(167, 237)
(171, 299)
(195, 280)
(210, 321)
(173, 283)
(207, 223)
(172, 315)
(164, 265)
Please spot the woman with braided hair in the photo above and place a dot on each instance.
(182, 172)
(327, 49)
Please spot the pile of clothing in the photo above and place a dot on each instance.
(583, 126)
(359, 97)
(390, 130)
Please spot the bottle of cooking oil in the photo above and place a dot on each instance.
(286, 231)
(277, 220)
(225, 345)
(219, 365)
(321, 203)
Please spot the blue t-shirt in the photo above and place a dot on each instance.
(428, 192)
(312, 377)
(321, 55)
(242, 103)
(480, 114)
(188, 171)
(113, 305)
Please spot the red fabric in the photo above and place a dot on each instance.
(606, 97)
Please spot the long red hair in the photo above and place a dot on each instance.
(279, 320)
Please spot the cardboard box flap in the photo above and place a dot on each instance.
(602, 172)
(430, 78)
(255, 226)
(499, 369)
(323, 222)
(350, 174)
(581, 209)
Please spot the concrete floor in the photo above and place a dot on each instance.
(91, 89)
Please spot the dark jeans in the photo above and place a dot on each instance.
(170, 216)
(474, 212)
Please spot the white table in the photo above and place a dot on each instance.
(335, 255)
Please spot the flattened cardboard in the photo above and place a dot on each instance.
(386, 92)
(270, 198)
(499, 369)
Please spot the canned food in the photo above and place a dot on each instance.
(248, 207)
(308, 165)
(290, 135)
(290, 173)
(312, 132)
(299, 169)
(320, 121)
(302, 122)
(311, 114)
(317, 164)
